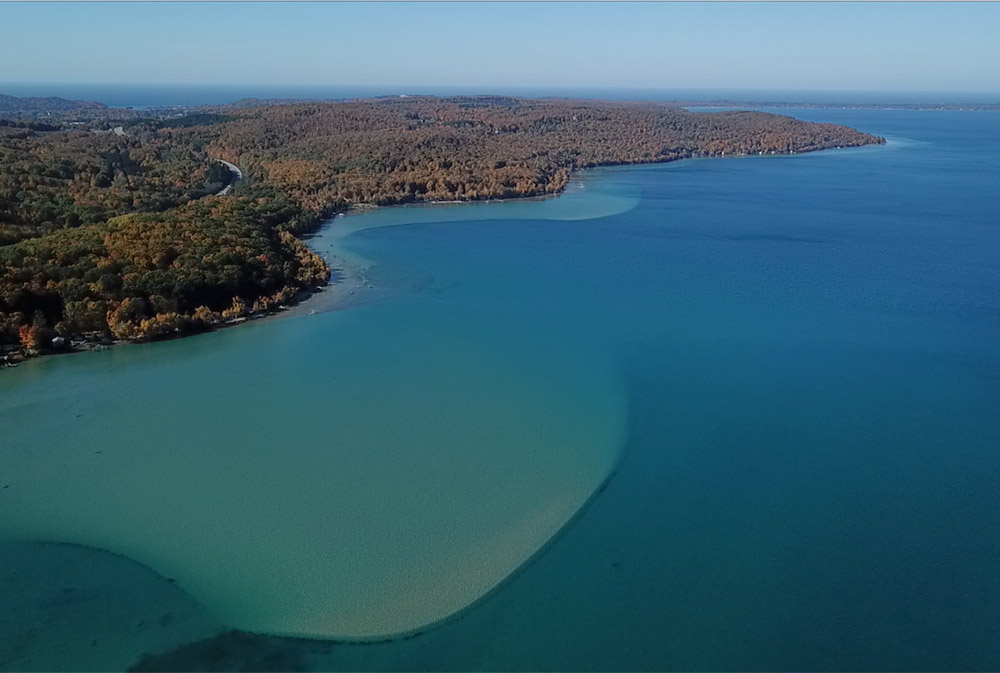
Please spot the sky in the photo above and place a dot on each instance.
(894, 46)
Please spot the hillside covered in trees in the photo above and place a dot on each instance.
(404, 150)
(120, 234)
(13, 104)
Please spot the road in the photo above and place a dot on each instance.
(233, 168)
(237, 176)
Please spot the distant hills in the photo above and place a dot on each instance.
(718, 103)
(46, 104)
(34, 106)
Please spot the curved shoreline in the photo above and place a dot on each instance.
(353, 276)
(354, 271)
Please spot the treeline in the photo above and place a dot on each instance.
(405, 150)
(103, 234)
(145, 275)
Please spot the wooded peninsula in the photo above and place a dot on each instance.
(129, 232)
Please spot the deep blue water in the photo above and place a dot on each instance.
(811, 351)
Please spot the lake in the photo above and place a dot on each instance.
(715, 414)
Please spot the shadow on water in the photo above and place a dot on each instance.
(71, 607)
(232, 651)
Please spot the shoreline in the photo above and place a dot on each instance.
(353, 274)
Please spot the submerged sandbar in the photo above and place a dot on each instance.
(356, 483)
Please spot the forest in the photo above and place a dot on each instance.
(120, 234)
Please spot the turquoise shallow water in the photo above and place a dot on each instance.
(795, 359)
(355, 475)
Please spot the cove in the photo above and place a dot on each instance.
(358, 474)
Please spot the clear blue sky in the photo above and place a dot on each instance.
(812, 46)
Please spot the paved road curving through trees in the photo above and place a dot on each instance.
(237, 176)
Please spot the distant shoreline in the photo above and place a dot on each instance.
(36, 106)
(771, 105)
(685, 103)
